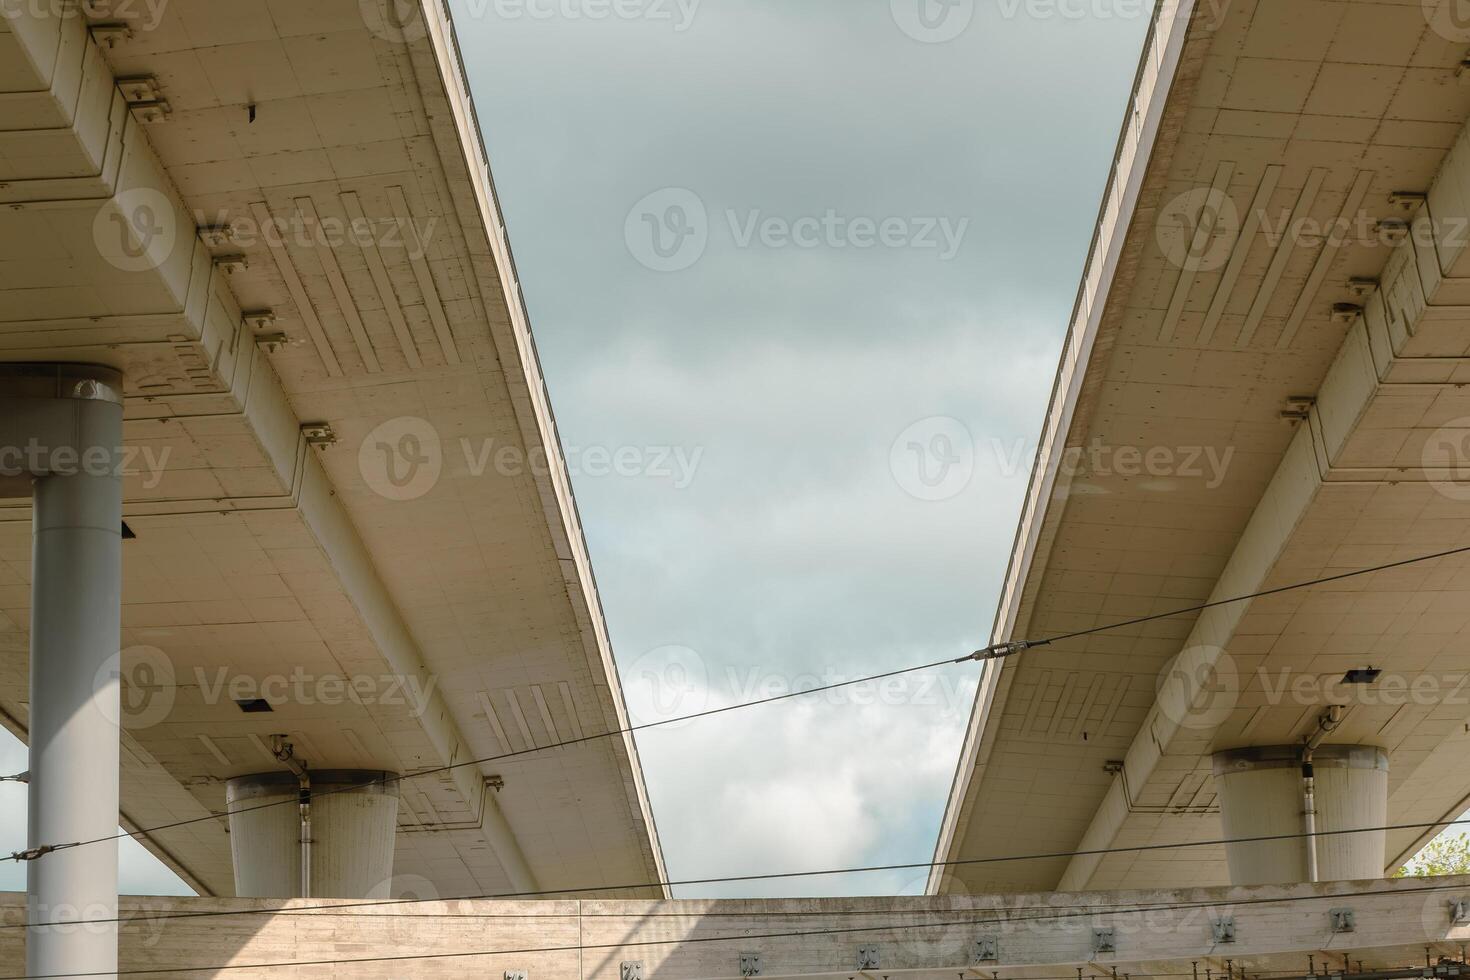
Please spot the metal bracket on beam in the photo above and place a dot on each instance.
(1346, 312)
(515, 975)
(140, 88)
(630, 970)
(230, 264)
(218, 236)
(1223, 929)
(1392, 230)
(109, 34)
(750, 964)
(143, 95)
(1460, 911)
(1298, 408)
(1362, 286)
(1342, 920)
(1407, 201)
(867, 958)
(987, 949)
(271, 342)
(318, 434)
(1104, 941)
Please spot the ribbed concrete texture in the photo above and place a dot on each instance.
(1261, 795)
(353, 816)
(390, 625)
(1264, 382)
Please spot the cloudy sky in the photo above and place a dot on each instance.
(807, 263)
(828, 257)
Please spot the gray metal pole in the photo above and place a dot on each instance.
(76, 592)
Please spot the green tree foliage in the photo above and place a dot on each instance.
(1447, 854)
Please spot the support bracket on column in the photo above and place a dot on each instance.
(867, 958)
(750, 964)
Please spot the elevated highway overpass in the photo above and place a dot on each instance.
(1263, 384)
(270, 228)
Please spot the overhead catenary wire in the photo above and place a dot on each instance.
(995, 651)
(350, 907)
(745, 936)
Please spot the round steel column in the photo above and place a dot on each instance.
(1261, 796)
(62, 428)
(354, 815)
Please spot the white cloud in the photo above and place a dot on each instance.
(819, 783)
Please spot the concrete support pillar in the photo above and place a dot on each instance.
(1261, 795)
(354, 815)
(60, 440)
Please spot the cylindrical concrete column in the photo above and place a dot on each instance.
(354, 814)
(1261, 795)
(70, 418)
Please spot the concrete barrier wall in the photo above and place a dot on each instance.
(1032, 936)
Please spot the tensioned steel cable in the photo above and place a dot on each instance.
(747, 936)
(349, 908)
(996, 651)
